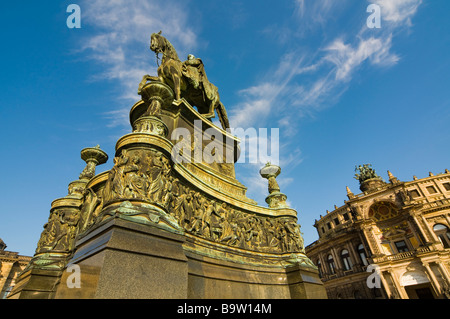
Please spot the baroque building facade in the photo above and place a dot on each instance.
(391, 241)
(11, 265)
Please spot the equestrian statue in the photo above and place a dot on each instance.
(187, 79)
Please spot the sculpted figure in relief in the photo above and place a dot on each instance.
(148, 176)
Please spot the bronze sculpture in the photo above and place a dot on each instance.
(160, 228)
(187, 79)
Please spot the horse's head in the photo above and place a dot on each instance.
(159, 44)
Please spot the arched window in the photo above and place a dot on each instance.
(331, 264)
(362, 254)
(443, 234)
(345, 256)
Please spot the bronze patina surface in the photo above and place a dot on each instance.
(156, 227)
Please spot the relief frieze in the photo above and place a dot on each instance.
(147, 175)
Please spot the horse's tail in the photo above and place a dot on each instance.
(223, 117)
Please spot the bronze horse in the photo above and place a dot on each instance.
(187, 79)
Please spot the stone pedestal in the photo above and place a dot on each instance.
(36, 284)
(371, 184)
(224, 273)
(122, 259)
(155, 227)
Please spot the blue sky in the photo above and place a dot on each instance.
(340, 93)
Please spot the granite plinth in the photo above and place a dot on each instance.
(122, 259)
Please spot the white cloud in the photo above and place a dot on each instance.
(292, 87)
(120, 42)
(264, 99)
(317, 11)
(398, 11)
(257, 104)
(309, 86)
(297, 86)
(347, 58)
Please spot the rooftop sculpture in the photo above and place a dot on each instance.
(368, 178)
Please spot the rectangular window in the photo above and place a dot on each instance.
(336, 221)
(414, 193)
(329, 225)
(446, 186)
(345, 215)
(431, 190)
(401, 246)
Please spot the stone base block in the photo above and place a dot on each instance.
(123, 259)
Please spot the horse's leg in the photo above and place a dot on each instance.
(222, 113)
(143, 82)
(160, 75)
(176, 85)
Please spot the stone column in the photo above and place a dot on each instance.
(387, 289)
(401, 290)
(372, 241)
(447, 218)
(337, 262)
(323, 264)
(429, 230)
(444, 272)
(416, 232)
(355, 259)
(5, 268)
(433, 279)
(424, 233)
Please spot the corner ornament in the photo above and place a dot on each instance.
(276, 199)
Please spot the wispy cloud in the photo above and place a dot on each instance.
(300, 86)
(398, 12)
(346, 58)
(319, 11)
(302, 82)
(120, 43)
(259, 101)
(311, 84)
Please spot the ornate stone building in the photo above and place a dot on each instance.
(11, 265)
(394, 235)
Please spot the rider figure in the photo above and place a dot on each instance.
(194, 71)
